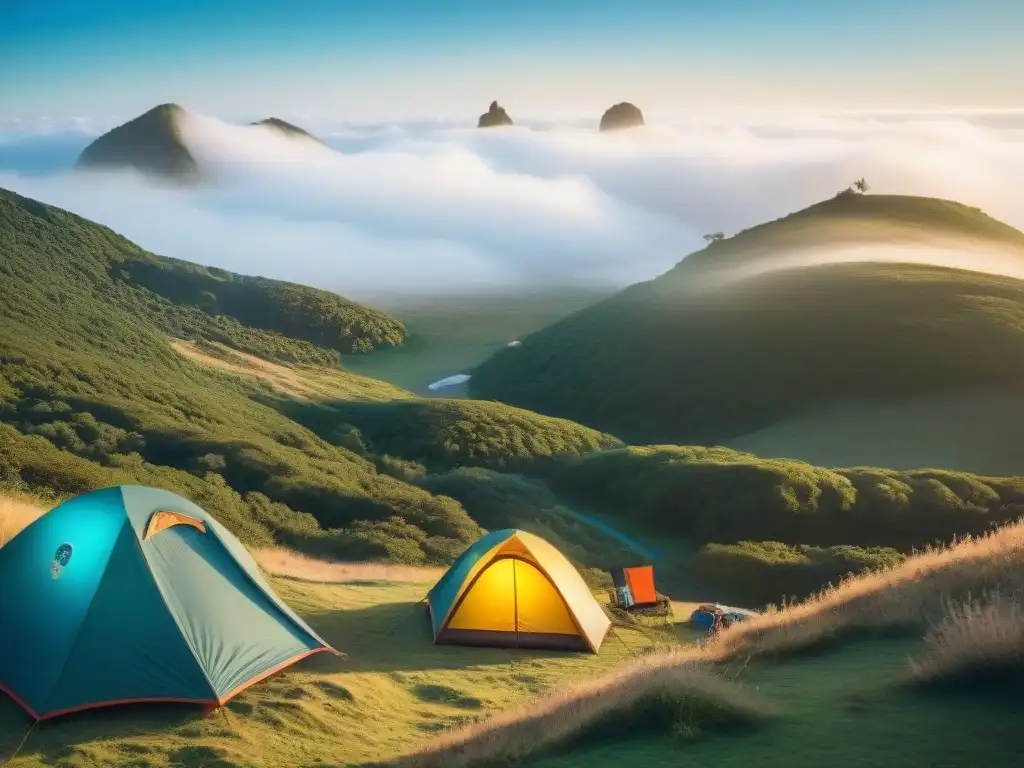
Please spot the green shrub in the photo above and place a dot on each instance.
(442, 434)
(725, 496)
(496, 501)
(755, 574)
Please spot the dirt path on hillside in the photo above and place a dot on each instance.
(283, 379)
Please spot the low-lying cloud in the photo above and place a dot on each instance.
(433, 209)
(940, 252)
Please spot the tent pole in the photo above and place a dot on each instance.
(22, 744)
(515, 601)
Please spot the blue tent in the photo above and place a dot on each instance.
(134, 594)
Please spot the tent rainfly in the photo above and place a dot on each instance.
(133, 594)
(515, 590)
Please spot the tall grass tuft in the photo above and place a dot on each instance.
(978, 640)
(907, 598)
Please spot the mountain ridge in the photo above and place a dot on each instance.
(685, 358)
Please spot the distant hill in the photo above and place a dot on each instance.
(694, 357)
(151, 143)
(621, 116)
(286, 128)
(118, 366)
(155, 144)
(494, 117)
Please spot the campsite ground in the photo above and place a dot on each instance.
(844, 704)
(391, 690)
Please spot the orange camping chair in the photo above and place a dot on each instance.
(634, 587)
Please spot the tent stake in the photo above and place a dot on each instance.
(404, 616)
(22, 744)
(615, 631)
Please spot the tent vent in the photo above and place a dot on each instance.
(161, 521)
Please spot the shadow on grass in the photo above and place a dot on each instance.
(54, 741)
(995, 684)
(396, 637)
(822, 645)
(679, 718)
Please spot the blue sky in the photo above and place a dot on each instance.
(378, 59)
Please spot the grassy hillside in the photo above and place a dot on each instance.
(55, 254)
(150, 143)
(716, 495)
(442, 434)
(325, 320)
(679, 360)
(911, 660)
(99, 384)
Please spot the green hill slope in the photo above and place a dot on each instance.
(687, 359)
(270, 318)
(94, 391)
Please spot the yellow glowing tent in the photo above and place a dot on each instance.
(513, 589)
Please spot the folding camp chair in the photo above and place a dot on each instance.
(634, 587)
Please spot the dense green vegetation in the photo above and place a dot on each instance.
(442, 434)
(685, 360)
(716, 495)
(92, 393)
(323, 319)
(499, 500)
(272, 319)
(762, 572)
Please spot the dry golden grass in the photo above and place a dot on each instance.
(911, 595)
(914, 595)
(280, 377)
(16, 512)
(678, 681)
(292, 565)
(976, 637)
(300, 382)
